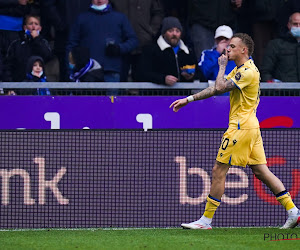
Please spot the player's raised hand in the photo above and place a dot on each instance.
(178, 104)
(223, 59)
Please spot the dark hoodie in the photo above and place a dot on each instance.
(32, 78)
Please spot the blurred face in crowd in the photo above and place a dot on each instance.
(172, 36)
(236, 48)
(32, 23)
(222, 39)
(294, 21)
(37, 69)
(99, 2)
(222, 43)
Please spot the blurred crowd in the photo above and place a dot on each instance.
(159, 41)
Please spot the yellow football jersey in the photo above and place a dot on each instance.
(245, 98)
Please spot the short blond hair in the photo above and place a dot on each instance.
(247, 40)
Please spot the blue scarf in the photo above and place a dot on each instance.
(43, 78)
(11, 23)
(77, 75)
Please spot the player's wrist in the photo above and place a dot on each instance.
(190, 98)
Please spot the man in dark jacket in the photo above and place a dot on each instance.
(19, 51)
(282, 57)
(108, 35)
(169, 60)
(145, 17)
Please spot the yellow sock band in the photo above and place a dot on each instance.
(286, 201)
(211, 207)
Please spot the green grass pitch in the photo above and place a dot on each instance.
(154, 238)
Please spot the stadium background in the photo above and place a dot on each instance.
(134, 178)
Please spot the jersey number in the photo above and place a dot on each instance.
(225, 143)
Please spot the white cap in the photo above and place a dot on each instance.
(224, 31)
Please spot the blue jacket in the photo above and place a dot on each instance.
(209, 66)
(94, 29)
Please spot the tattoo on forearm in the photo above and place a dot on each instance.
(206, 93)
(220, 81)
(211, 91)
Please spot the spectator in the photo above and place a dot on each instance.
(282, 58)
(169, 60)
(145, 17)
(83, 68)
(208, 63)
(35, 73)
(286, 9)
(61, 14)
(108, 35)
(11, 19)
(19, 51)
(206, 16)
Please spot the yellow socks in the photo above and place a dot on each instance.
(285, 199)
(211, 206)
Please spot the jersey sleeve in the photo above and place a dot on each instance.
(230, 75)
(242, 78)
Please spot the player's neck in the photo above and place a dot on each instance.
(240, 61)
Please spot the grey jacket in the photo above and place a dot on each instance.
(145, 17)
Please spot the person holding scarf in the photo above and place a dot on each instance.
(83, 68)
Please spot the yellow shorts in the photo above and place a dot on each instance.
(242, 147)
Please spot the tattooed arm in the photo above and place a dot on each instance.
(221, 86)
